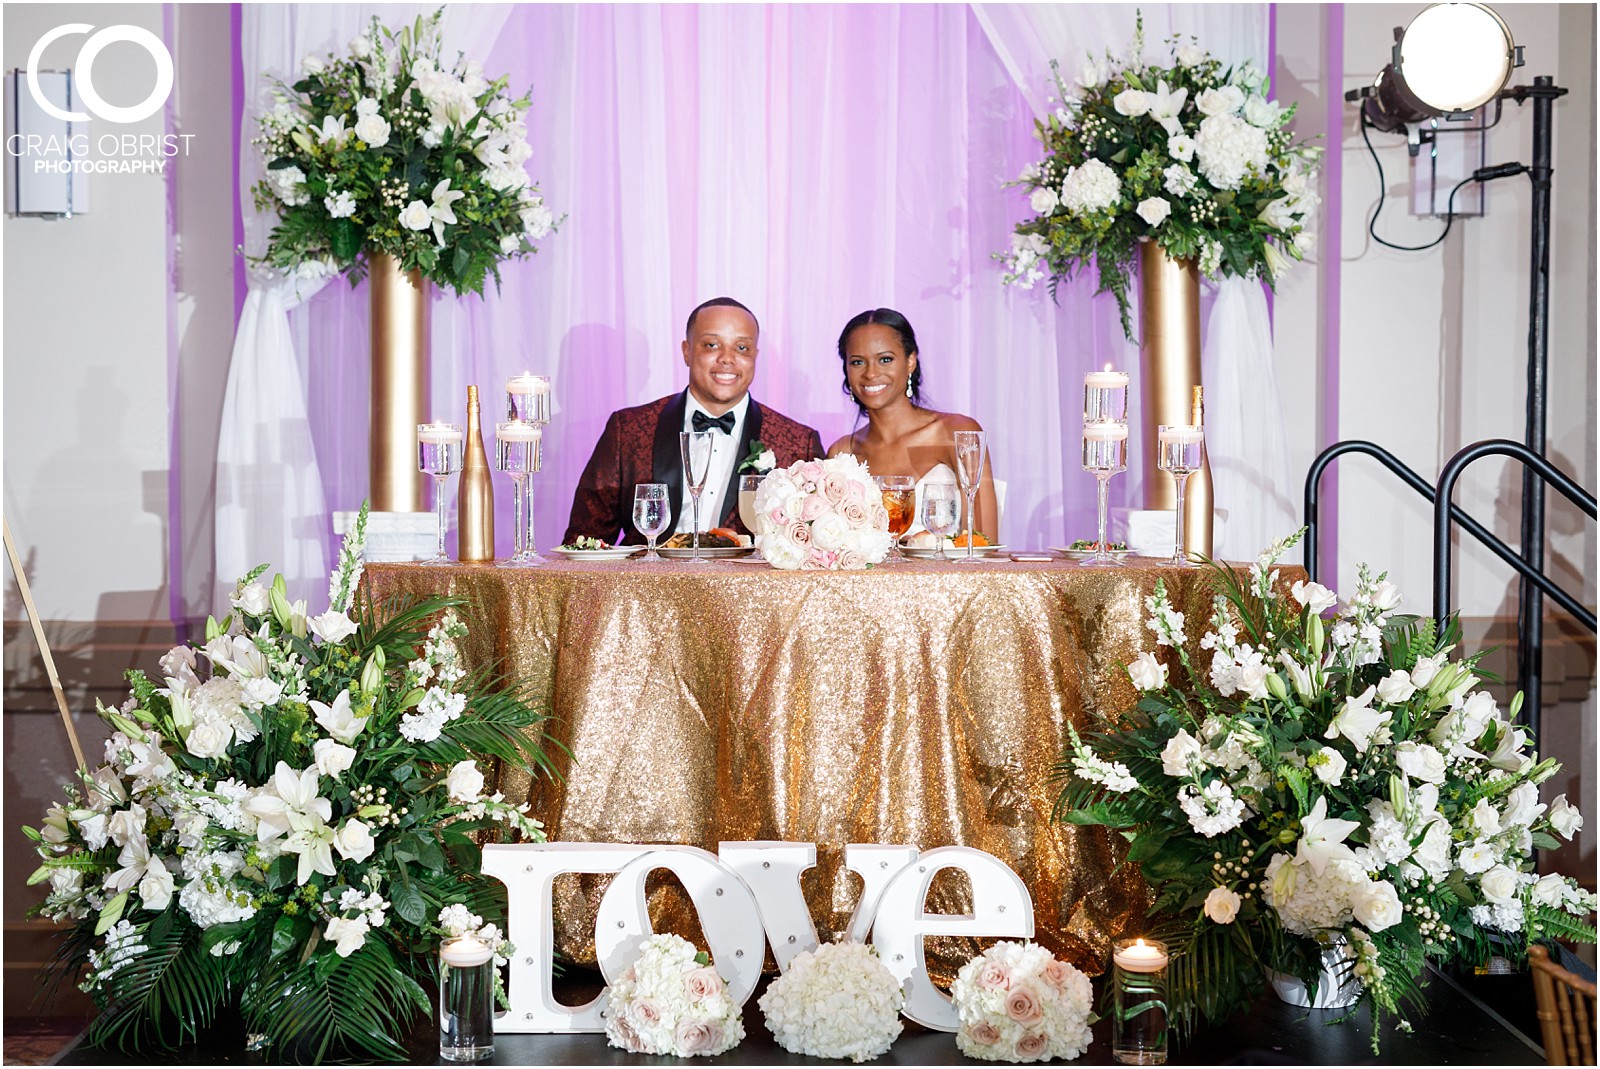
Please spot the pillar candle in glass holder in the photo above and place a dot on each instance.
(1105, 447)
(1139, 1002)
(1105, 396)
(466, 1000)
(528, 398)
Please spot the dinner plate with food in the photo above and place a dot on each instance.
(924, 545)
(715, 544)
(1084, 548)
(595, 549)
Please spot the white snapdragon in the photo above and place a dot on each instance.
(1211, 810)
(341, 205)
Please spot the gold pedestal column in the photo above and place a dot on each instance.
(399, 393)
(1169, 334)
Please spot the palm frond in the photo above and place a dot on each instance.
(331, 1007)
(164, 996)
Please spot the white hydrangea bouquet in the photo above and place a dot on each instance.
(822, 515)
(672, 1001)
(1332, 783)
(1189, 155)
(392, 148)
(1017, 1003)
(277, 820)
(837, 1001)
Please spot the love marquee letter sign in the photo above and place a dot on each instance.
(747, 895)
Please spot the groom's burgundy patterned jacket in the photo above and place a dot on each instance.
(640, 445)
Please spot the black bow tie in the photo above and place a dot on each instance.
(723, 423)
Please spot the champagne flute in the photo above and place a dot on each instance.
(696, 449)
(1105, 452)
(969, 469)
(941, 513)
(900, 501)
(1178, 450)
(748, 485)
(651, 514)
(517, 453)
(439, 455)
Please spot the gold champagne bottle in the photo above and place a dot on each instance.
(1197, 412)
(475, 533)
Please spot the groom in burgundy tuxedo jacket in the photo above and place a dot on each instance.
(640, 445)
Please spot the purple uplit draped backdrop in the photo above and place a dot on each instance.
(811, 161)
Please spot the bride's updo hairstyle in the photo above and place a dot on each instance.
(896, 322)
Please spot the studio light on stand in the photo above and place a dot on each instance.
(1451, 60)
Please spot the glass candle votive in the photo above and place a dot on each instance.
(1178, 448)
(439, 448)
(1139, 1002)
(528, 398)
(1105, 396)
(466, 1000)
(1105, 447)
(519, 447)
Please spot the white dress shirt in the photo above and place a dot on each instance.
(724, 457)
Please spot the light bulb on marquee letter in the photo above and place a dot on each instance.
(1000, 906)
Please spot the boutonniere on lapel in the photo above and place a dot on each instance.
(760, 459)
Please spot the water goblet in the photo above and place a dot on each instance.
(439, 455)
(748, 485)
(1105, 452)
(652, 512)
(517, 453)
(900, 501)
(1179, 449)
(941, 513)
(696, 449)
(969, 469)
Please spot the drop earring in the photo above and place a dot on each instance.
(908, 387)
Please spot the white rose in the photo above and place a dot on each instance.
(1190, 55)
(252, 599)
(465, 782)
(155, 889)
(1549, 891)
(1132, 103)
(1499, 885)
(1259, 111)
(1564, 817)
(263, 691)
(332, 626)
(373, 129)
(126, 825)
(767, 460)
(1331, 769)
(1147, 672)
(1222, 905)
(1396, 687)
(313, 65)
(414, 216)
(829, 531)
(1377, 905)
(1475, 857)
(332, 758)
(1224, 101)
(1317, 598)
(1485, 818)
(1175, 757)
(1043, 200)
(209, 739)
(349, 936)
(1154, 210)
(1426, 668)
(1420, 761)
(353, 840)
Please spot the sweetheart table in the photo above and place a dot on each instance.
(924, 703)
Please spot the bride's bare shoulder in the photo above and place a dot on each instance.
(847, 444)
(955, 421)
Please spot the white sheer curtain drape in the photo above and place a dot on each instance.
(1244, 419)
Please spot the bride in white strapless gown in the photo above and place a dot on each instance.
(883, 373)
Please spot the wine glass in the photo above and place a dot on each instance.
(748, 485)
(1178, 450)
(969, 469)
(439, 455)
(941, 513)
(900, 501)
(696, 449)
(651, 514)
(517, 453)
(1105, 452)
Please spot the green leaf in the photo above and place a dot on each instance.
(408, 902)
(286, 932)
(1542, 840)
(346, 240)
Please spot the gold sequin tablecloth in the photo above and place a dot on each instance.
(924, 703)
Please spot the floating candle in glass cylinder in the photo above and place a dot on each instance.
(1105, 447)
(528, 398)
(1139, 1002)
(1105, 396)
(466, 1000)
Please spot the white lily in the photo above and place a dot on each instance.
(1358, 721)
(332, 131)
(315, 846)
(155, 883)
(1322, 838)
(441, 212)
(1165, 106)
(337, 719)
(289, 804)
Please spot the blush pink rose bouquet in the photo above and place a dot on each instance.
(822, 515)
(672, 1001)
(1017, 1003)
